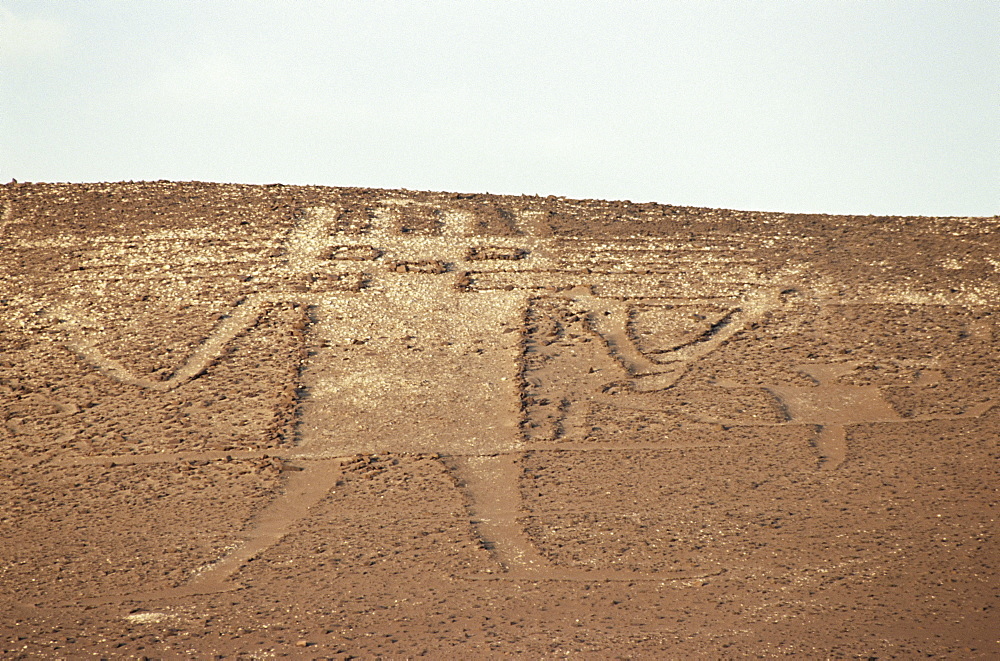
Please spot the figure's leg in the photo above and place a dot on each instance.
(832, 446)
(491, 485)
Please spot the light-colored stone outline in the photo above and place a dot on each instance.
(305, 245)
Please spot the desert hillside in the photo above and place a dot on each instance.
(257, 421)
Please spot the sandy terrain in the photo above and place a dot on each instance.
(256, 421)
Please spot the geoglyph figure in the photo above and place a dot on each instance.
(418, 343)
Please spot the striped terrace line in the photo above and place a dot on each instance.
(687, 252)
(720, 241)
(577, 269)
(664, 261)
(679, 252)
(687, 255)
(165, 458)
(654, 283)
(596, 576)
(291, 455)
(661, 267)
(527, 448)
(138, 245)
(199, 256)
(590, 268)
(151, 271)
(87, 275)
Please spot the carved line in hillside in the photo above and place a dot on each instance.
(116, 460)
(303, 489)
(610, 318)
(121, 460)
(832, 408)
(831, 443)
(491, 483)
(514, 550)
(611, 328)
(308, 249)
(7, 216)
(492, 487)
(608, 321)
(597, 576)
(624, 347)
(245, 314)
(307, 246)
(631, 283)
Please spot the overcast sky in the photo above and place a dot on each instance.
(867, 106)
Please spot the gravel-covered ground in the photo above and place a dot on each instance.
(257, 421)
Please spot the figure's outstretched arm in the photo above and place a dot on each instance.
(245, 314)
(609, 318)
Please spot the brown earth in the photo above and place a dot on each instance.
(255, 421)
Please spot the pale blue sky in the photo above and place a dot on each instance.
(867, 106)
